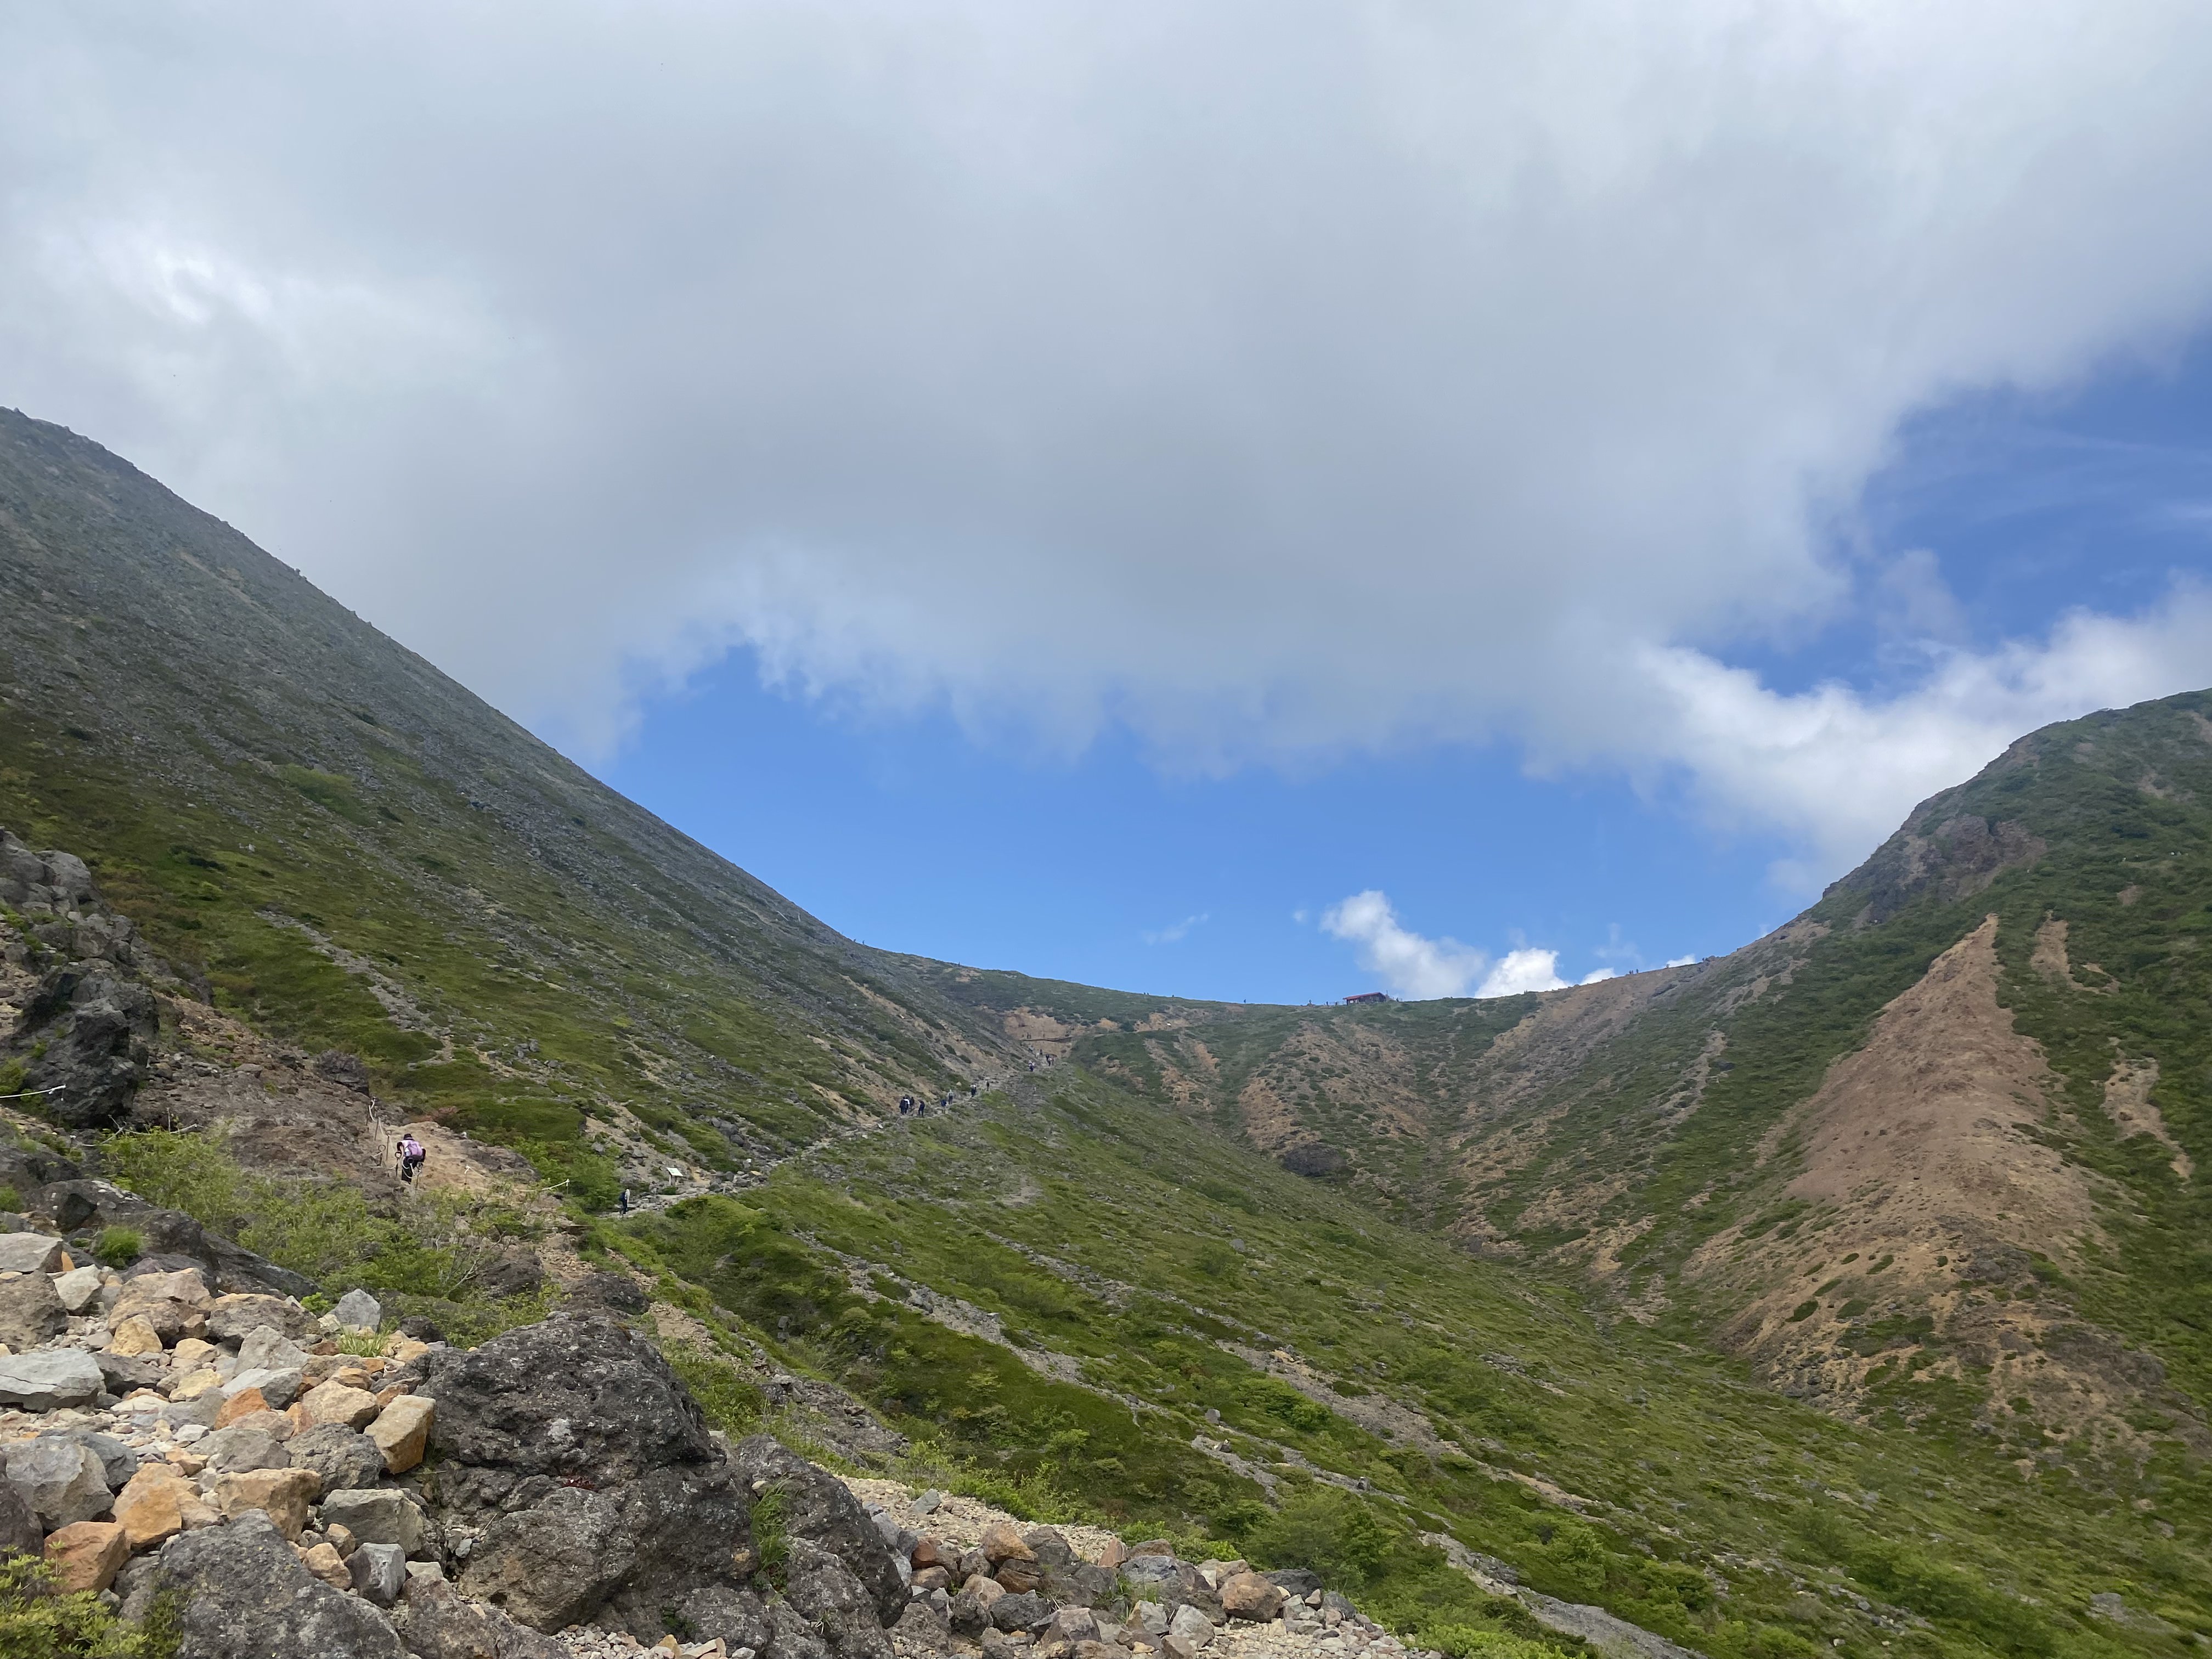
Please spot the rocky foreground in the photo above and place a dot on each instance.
(182, 1432)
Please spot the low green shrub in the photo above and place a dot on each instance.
(38, 1622)
(119, 1247)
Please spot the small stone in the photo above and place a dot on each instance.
(928, 1552)
(328, 1565)
(1192, 1627)
(1247, 1595)
(1114, 1554)
(970, 1612)
(29, 1252)
(1012, 1613)
(267, 1348)
(357, 1310)
(376, 1515)
(1000, 1542)
(1019, 1577)
(342, 1458)
(402, 1431)
(334, 1402)
(78, 1289)
(278, 1385)
(85, 1555)
(1076, 1625)
(244, 1403)
(238, 1450)
(232, 1318)
(192, 1384)
(282, 1494)
(192, 1354)
(341, 1539)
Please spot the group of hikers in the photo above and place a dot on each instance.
(913, 1106)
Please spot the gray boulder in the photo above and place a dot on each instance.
(125, 1371)
(436, 1622)
(30, 1311)
(236, 1449)
(266, 1348)
(823, 1590)
(242, 1594)
(20, 1532)
(1026, 1611)
(380, 1572)
(819, 1508)
(585, 1470)
(381, 1516)
(90, 1030)
(1297, 1583)
(345, 1458)
(1172, 1584)
(357, 1310)
(555, 1562)
(29, 1252)
(78, 1289)
(48, 1380)
(234, 1318)
(280, 1387)
(59, 1481)
(117, 1462)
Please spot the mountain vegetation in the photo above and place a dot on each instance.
(1851, 1294)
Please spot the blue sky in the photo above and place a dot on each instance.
(911, 834)
(1535, 489)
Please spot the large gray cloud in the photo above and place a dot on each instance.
(1281, 380)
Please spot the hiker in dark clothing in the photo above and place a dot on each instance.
(906, 1105)
(412, 1155)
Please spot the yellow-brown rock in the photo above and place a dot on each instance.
(85, 1555)
(327, 1564)
(281, 1494)
(402, 1430)
(134, 1336)
(335, 1402)
(244, 1403)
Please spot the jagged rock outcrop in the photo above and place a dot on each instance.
(85, 1031)
(573, 1475)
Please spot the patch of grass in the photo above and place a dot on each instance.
(118, 1246)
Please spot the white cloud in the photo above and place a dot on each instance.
(1175, 933)
(1417, 968)
(1408, 965)
(1358, 376)
(1680, 962)
(1524, 969)
(1597, 974)
(1837, 770)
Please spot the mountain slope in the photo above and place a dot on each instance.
(352, 851)
(1311, 1284)
(1932, 1147)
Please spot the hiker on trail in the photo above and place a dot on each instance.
(625, 1200)
(906, 1104)
(412, 1153)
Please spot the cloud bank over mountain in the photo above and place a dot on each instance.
(1282, 382)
